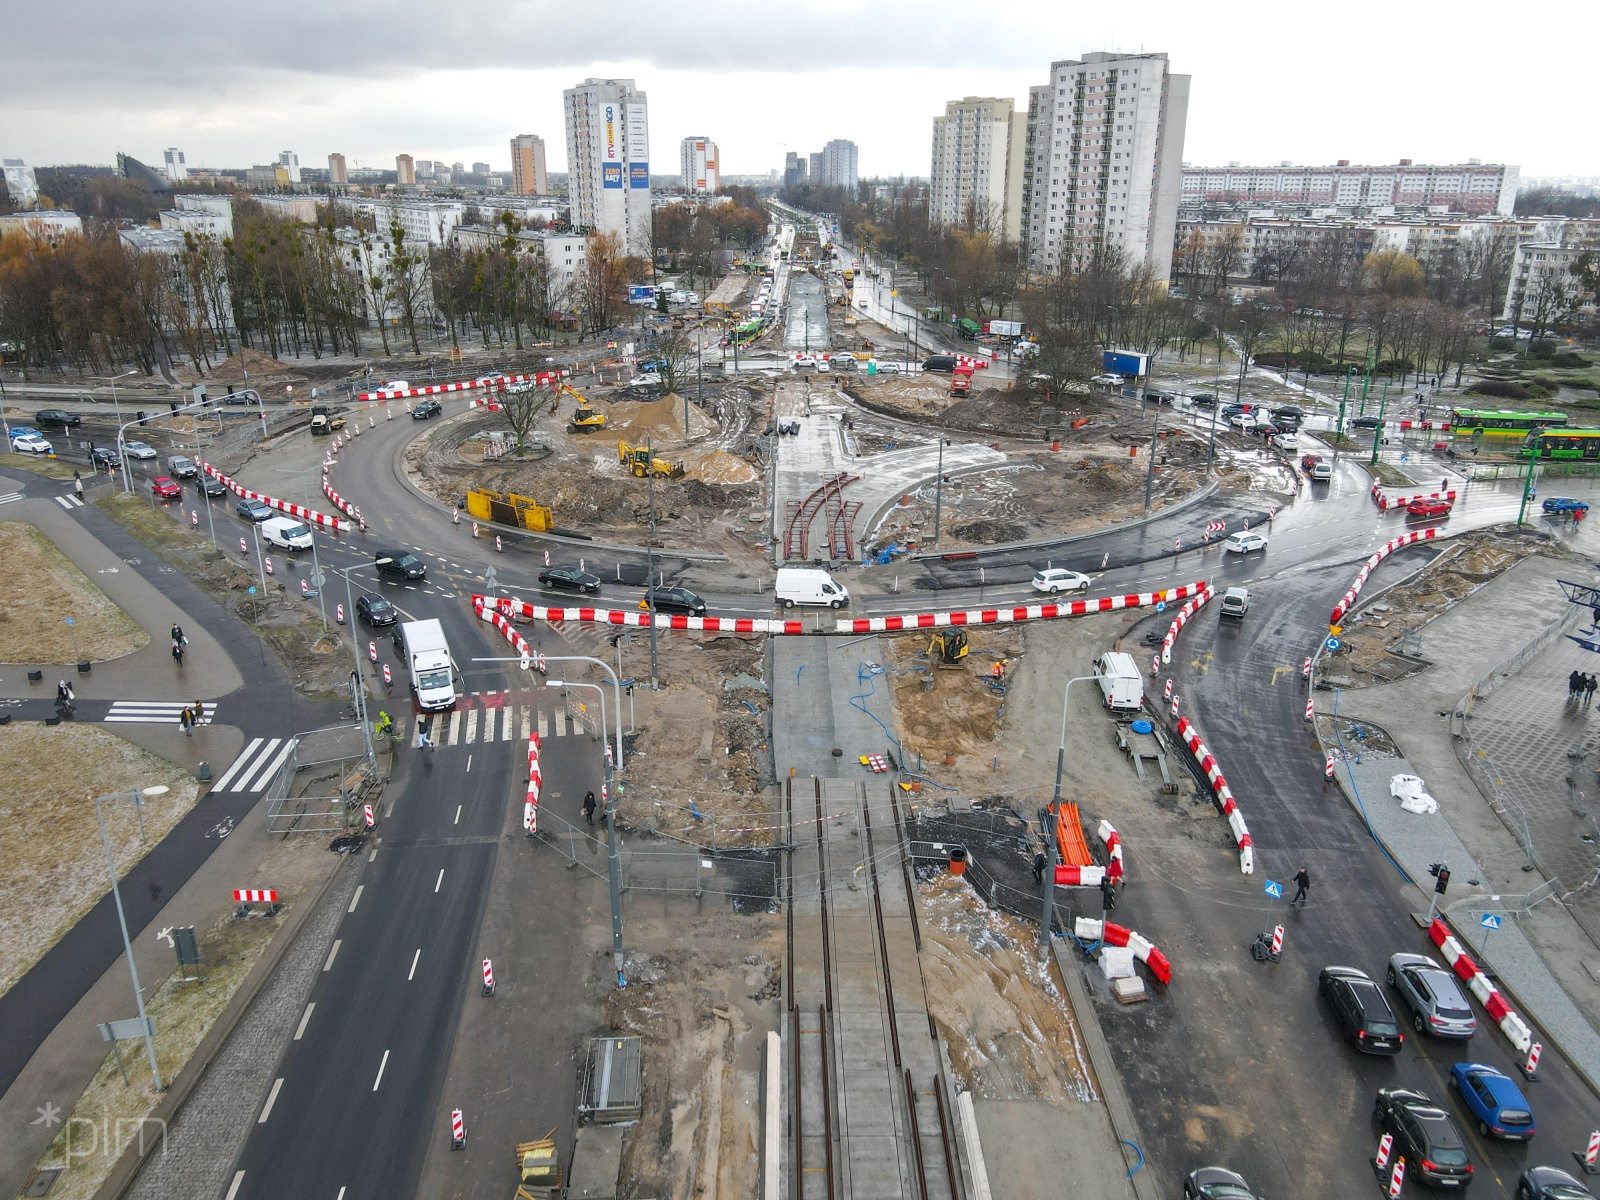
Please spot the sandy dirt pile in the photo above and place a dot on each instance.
(958, 714)
(257, 364)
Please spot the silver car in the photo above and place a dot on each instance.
(1433, 996)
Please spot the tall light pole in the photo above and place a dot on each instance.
(112, 380)
(1527, 483)
(137, 796)
(938, 491)
(1050, 823)
(355, 653)
(1150, 474)
(616, 689)
(650, 564)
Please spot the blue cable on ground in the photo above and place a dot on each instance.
(1360, 803)
(1138, 1165)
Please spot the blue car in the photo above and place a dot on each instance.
(1566, 505)
(1494, 1099)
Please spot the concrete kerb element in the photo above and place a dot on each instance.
(870, 528)
(189, 1075)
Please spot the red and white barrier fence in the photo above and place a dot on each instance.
(1349, 598)
(532, 659)
(255, 896)
(486, 381)
(1386, 501)
(488, 978)
(1501, 1013)
(1094, 930)
(1069, 876)
(1182, 619)
(283, 506)
(1113, 841)
(530, 808)
(1220, 789)
(458, 1130)
(339, 502)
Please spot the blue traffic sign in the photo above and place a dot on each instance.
(1489, 921)
(1332, 643)
(1275, 889)
(1161, 606)
(69, 620)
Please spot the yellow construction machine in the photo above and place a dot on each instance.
(643, 461)
(947, 648)
(586, 420)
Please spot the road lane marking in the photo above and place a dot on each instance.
(436, 884)
(412, 974)
(356, 899)
(340, 1196)
(272, 1098)
(233, 1189)
(381, 1066)
(469, 762)
(373, 855)
(458, 815)
(304, 1021)
(332, 953)
(1276, 671)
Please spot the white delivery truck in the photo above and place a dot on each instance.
(286, 533)
(808, 585)
(427, 658)
(1120, 681)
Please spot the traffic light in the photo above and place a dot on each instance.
(1108, 894)
(1441, 876)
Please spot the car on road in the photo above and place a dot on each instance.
(1425, 1136)
(253, 510)
(650, 379)
(1286, 440)
(1059, 579)
(1365, 423)
(163, 487)
(399, 564)
(1550, 1183)
(1362, 1009)
(247, 396)
(17, 431)
(1292, 412)
(939, 362)
(138, 450)
(1565, 505)
(674, 599)
(1246, 422)
(1494, 1099)
(1433, 996)
(428, 408)
(58, 417)
(570, 579)
(31, 443)
(212, 489)
(1203, 400)
(180, 466)
(1235, 602)
(1244, 542)
(1216, 1183)
(1108, 379)
(102, 459)
(1164, 399)
(1428, 508)
(375, 610)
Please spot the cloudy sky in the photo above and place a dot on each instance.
(232, 84)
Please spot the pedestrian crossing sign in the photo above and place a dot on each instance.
(1275, 889)
(1489, 921)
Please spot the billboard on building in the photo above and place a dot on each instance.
(638, 135)
(611, 175)
(611, 153)
(639, 175)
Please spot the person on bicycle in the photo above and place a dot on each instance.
(384, 726)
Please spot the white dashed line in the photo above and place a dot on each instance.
(233, 1189)
(304, 1021)
(436, 884)
(356, 899)
(379, 1079)
(272, 1098)
(332, 954)
(415, 958)
(458, 814)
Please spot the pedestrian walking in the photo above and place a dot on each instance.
(1574, 682)
(186, 721)
(1302, 883)
(199, 712)
(177, 635)
(588, 808)
(1589, 685)
(77, 484)
(1038, 867)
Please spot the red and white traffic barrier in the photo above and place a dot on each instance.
(1027, 612)
(1385, 1150)
(256, 895)
(1182, 619)
(1327, 770)
(1397, 1177)
(1347, 601)
(1530, 1065)
(1590, 1155)
(507, 630)
(1513, 1026)
(1166, 692)
(441, 389)
(1277, 940)
(530, 808)
(283, 506)
(458, 1130)
(1386, 501)
(1094, 930)
(488, 978)
(1220, 789)
(339, 501)
(1113, 841)
(366, 812)
(1067, 876)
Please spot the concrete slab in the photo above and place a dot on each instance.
(1031, 1147)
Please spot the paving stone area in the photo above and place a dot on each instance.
(205, 1139)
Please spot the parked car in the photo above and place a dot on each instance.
(59, 417)
(1059, 579)
(1428, 508)
(1425, 1136)
(31, 443)
(1108, 379)
(1495, 1100)
(165, 488)
(1433, 996)
(399, 564)
(1216, 1183)
(674, 599)
(1203, 400)
(253, 510)
(375, 610)
(570, 579)
(1362, 1010)
(102, 459)
(1550, 1183)
(1245, 542)
(1565, 505)
(138, 450)
(428, 408)
(212, 489)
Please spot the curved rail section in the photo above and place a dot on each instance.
(1221, 792)
(283, 506)
(1347, 601)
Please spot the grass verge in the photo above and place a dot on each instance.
(40, 588)
(50, 468)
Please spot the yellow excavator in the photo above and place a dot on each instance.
(584, 418)
(643, 461)
(947, 648)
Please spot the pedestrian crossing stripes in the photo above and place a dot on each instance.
(67, 502)
(9, 497)
(155, 712)
(501, 723)
(257, 763)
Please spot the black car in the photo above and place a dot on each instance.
(1550, 1183)
(1362, 1009)
(212, 488)
(570, 579)
(1166, 399)
(1203, 400)
(1426, 1136)
(58, 417)
(1290, 410)
(940, 362)
(1216, 1183)
(399, 564)
(428, 408)
(102, 459)
(674, 599)
(375, 610)
(1364, 422)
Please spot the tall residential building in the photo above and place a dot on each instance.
(176, 168)
(337, 173)
(528, 177)
(1472, 187)
(608, 160)
(979, 146)
(794, 170)
(815, 168)
(480, 168)
(290, 162)
(21, 183)
(839, 164)
(405, 169)
(1104, 161)
(699, 165)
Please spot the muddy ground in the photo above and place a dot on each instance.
(944, 710)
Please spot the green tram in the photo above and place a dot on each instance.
(1582, 445)
(1505, 429)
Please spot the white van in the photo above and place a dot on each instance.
(808, 585)
(287, 533)
(1120, 682)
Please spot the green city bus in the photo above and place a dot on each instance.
(1500, 425)
(1580, 444)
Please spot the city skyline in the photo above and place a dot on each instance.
(1358, 100)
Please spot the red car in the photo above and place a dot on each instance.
(1307, 461)
(164, 488)
(1429, 508)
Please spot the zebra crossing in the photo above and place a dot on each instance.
(495, 719)
(257, 763)
(67, 502)
(10, 497)
(156, 712)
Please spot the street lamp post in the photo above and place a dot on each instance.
(136, 796)
(1150, 474)
(616, 690)
(1527, 483)
(1050, 823)
(112, 380)
(355, 653)
(938, 491)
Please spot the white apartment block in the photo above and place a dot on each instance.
(21, 183)
(699, 166)
(203, 216)
(176, 169)
(338, 174)
(1545, 268)
(608, 160)
(1104, 161)
(46, 225)
(839, 164)
(293, 208)
(563, 253)
(978, 150)
(424, 222)
(1470, 187)
(290, 161)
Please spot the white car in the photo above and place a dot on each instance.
(648, 379)
(1059, 579)
(1244, 542)
(1286, 441)
(137, 450)
(1245, 422)
(1108, 379)
(31, 443)
(394, 385)
(803, 361)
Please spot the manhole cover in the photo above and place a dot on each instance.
(43, 1182)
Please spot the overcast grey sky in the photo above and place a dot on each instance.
(232, 84)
